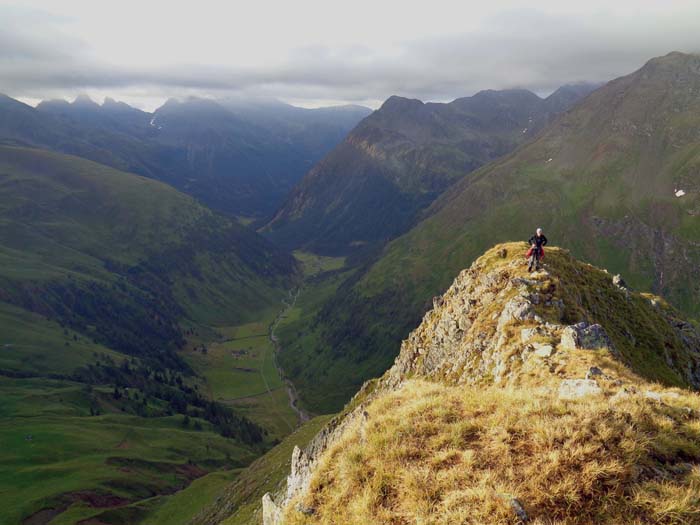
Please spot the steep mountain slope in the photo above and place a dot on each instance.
(520, 398)
(102, 276)
(399, 159)
(87, 245)
(615, 179)
(238, 158)
(245, 158)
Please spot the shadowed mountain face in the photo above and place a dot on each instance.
(615, 180)
(238, 157)
(123, 259)
(399, 159)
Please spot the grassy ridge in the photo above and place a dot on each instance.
(431, 453)
(493, 413)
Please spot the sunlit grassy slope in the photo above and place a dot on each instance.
(435, 454)
(476, 421)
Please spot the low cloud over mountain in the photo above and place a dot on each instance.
(435, 57)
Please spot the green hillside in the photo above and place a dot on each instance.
(615, 180)
(78, 239)
(104, 276)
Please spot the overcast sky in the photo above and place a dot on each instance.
(323, 52)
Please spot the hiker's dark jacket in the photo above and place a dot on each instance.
(538, 241)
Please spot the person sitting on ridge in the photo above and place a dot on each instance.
(536, 252)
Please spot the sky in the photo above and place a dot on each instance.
(315, 53)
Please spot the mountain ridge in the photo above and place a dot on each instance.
(239, 162)
(520, 397)
(393, 164)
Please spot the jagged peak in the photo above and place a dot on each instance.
(84, 100)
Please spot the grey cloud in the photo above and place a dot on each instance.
(523, 48)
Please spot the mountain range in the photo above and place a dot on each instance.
(615, 179)
(238, 157)
(148, 295)
(374, 184)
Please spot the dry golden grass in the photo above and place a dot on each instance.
(435, 454)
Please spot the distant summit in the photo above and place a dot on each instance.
(373, 186)
(242, 161)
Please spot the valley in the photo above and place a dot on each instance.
(219, 307)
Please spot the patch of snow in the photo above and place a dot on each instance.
(679, 193)
(153, 123)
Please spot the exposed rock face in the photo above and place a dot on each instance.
(304, 461)
(497, 325)
(581, 336)
(578, 388)
(272, 513)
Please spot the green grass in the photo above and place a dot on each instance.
(51, 447)
(314, 264)
(239, 370)
(32, 343)
(70, 451)
(181, 507)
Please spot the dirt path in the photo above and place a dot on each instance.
(302, 415)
